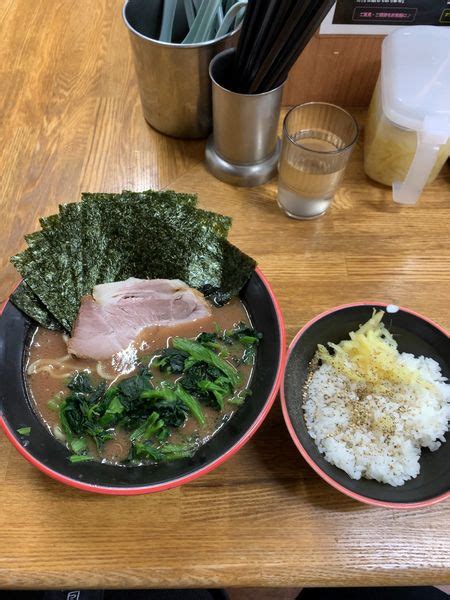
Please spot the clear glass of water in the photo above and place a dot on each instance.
(318, 139)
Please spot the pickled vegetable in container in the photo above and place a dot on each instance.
(407, 135)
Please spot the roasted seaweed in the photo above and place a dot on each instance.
(26, 300)
(110, 237)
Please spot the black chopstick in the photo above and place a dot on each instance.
(278, 72)
(252, 16)
(307, 34)
(262, 32)
(273, 34)
(288, 32)
(284, 50)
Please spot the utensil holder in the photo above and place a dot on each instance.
(173, 78)
(244, 148)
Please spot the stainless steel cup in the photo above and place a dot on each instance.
(173, 78)
(244, 147)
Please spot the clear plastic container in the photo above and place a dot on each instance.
(407, 135)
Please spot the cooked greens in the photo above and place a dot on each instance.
(198, 353)
(150, 412)
(110, 237)
(78, 458)
(171, 360)
(24, 431)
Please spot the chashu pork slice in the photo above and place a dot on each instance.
(115, 314)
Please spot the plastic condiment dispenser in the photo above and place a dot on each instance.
(408, 129)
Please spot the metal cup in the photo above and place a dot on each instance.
(244, 147)
(173, 78)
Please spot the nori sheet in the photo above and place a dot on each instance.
(109, 237)
(47, 283)
(108, 218)
(161, 238)
(26, 300)
(102, 256)
(71, 229)
(64, 232)
(50, 280)
(184, 244)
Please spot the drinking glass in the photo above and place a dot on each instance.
(318, 139)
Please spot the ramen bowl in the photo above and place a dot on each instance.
(414, 334)
(50, 456)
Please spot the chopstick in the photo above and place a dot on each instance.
(287, 31)
(252, 16)
(261, 32)
(280, 71)
(293, 30)
(274, 33)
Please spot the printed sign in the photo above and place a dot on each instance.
(392, 12)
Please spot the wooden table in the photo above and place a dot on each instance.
(72, 122)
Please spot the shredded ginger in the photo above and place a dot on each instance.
(370, 357)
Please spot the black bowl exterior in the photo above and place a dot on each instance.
(49, 455)
(415, 335)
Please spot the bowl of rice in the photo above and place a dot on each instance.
(366, 399)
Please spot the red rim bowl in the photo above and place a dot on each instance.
(414, 333)
(50, 456)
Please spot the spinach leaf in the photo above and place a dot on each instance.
(24, 431)
(171, 360)
(130, 389)
(208, 384)
(199, 353)
(173, 404)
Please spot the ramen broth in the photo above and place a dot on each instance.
(49, 345)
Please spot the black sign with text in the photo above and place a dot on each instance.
(392, 12)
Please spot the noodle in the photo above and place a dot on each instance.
(60, 382)
(55, 367)
(104, 374)
(59, 368)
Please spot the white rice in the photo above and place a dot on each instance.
(373, 436)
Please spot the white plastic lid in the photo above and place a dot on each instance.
(415, 76)
(415, 93)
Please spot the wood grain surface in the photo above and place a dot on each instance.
(71, 122)
(341, 69)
